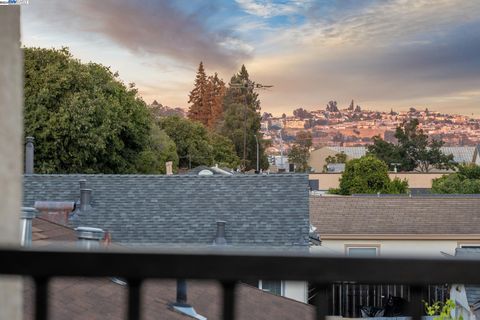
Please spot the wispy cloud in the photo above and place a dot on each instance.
(269, 8)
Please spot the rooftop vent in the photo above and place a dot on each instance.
(85, 196)
(205, 172)
(181, 305)
(220, 237)
(89, 238)
(29, 155)
(27, 215)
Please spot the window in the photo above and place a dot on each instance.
(272, 286)
(362, 251)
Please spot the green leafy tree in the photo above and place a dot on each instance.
(83, 118)
(191, 140)
(414, 150)
(465, 181)
(300, 151)
(338, 158)
(160, 150)
(368, 175)
(223, 151)
(241, 120)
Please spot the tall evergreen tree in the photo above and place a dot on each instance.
(241, 120)
(216, 90)
(199, 98)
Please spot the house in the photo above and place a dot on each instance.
(254, 211)
(463, 154)
(104, 298)
(466, 296)
(391, 226)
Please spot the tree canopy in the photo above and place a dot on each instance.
(83, 118)
(196, 146)
(465, 181)
(300, 151)
(241, 120)
(414, 150)
(368, 175)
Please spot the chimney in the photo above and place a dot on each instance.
(85, 196)
(89, 238)
(29, 155)
(169, 168)
(27, 215)
(181, 305)
(220, 237)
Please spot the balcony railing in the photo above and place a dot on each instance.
(228, 267)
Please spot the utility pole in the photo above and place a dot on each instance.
(258, 162)
(247, 85)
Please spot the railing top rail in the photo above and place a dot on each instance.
(229, 265)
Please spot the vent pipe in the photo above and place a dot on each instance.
(181, 293)
(27, 216)
(29, 155)
(89, 238)
(220, 237)
(85, 199)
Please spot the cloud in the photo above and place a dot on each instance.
(269, 8)
(155, 28)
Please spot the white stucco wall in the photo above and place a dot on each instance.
(296, 290)
(11, 97)
(406, 248)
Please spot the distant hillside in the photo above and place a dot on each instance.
(159, 110)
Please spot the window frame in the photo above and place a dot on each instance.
(282, 287)
(362, 246)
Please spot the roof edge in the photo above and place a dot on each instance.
(390, 236)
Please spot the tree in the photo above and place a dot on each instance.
(241, 120)
(199, 98)
(196, 145)
(465, 181)
(368, 175)
(216, 90)
(302, 113)
(414, 150)
(83, 118)
(160, 150)
(191, 140)
(223, 151)
(300, 151)
(352, 106)
(338, 158)
(332, 106)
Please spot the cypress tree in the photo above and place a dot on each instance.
(200, 107)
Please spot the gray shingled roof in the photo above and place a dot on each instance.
(156, 209)
(473, 292)
(395, 215)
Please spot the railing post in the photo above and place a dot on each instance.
(228, 300)
(41, 298)
(321, 301)
(134, 286)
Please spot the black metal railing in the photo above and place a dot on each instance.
(230, 266)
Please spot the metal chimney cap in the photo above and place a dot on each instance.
(29, 213)
(89, 233)
(30, 139)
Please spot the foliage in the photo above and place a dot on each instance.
(300, 151)
(368, 175)
(223, 151)
(191, 140)
(414, 150)
(338, 158)
(302, 113)
(83, 118)
(442, 311)
(160, 149)
(242, 115)
(199, 109)
(465, 181)
(196, 146)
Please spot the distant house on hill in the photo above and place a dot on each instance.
(318, 157)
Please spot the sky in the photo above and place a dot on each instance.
(383, 54)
